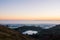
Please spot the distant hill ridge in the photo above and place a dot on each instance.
(26, 28)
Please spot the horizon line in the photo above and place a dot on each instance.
(29, 20)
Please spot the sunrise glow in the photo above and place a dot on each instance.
(29, 9)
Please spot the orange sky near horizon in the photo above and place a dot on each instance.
(29, 9)
(29, 18)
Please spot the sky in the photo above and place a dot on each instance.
(29, 9)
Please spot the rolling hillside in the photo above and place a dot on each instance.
(9, 34)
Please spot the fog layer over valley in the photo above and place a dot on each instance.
(37, 32)
(25, 28)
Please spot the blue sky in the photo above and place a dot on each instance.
(29, 9)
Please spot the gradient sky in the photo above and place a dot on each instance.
(29, 9)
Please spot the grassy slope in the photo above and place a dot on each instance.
(9, 34)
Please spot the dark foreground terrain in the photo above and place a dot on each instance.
(44, 34)
(52, 33)
(9, 34)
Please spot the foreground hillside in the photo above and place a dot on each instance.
(52, 33)
(45, 34)
(9, 34)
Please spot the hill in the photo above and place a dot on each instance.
(9, 34)
(50, 34)
(25, 28)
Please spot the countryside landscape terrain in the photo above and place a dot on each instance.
(7, 33)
